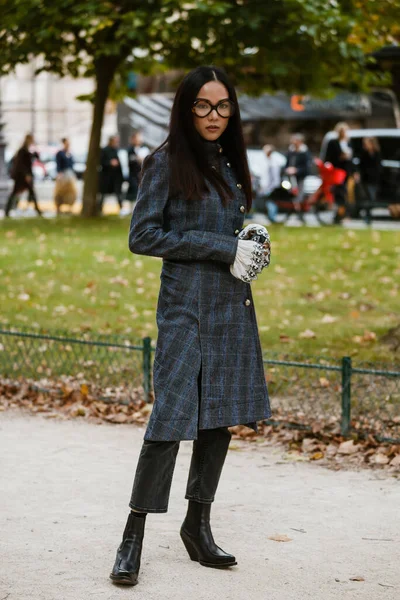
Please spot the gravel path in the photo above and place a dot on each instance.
(64, 502)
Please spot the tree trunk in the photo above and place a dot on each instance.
(105, 70)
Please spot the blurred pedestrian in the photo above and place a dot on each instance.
(370, 169)
(298, 167)
(137, 152)
(65, 190)
(271, 179)
(111, 172)
(340, 153)
(22, 174)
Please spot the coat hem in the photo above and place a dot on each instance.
(188, 436)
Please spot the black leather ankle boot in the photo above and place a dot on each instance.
(198, 539)
(127, 562)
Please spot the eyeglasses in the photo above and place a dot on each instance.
(202, 108)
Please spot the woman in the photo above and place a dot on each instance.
(208, 369)
(339, 153)
(65, 189)
(370, 172)
(22, 174)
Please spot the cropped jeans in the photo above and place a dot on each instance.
(155, 468)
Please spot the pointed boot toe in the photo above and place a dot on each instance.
(127, 562)
(198, 539)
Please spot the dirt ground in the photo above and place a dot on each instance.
(64, 503)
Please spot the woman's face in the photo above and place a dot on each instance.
(343, 133)
(368, 145)
(213, 125)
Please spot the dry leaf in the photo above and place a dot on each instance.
(118, 418)
(395, 462)
(79, 411)
(328, 319)
(379, 459)
(357, 578)
(285, 338)
(308, 333)
(348, 447)
(324, 382)
(280, 538)
(369, 336)
(309, 444)
(317, 456)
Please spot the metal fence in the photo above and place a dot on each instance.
(318, 393)
(313, 394)
(108, 362)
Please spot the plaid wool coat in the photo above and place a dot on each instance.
(208, 369)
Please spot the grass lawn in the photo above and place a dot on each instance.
(328, 291)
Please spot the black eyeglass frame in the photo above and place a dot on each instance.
(214, 107)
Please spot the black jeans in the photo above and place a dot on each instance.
(12, 201)
(152, 484)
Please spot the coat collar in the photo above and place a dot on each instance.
(213, 150)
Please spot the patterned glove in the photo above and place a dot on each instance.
(253, 253)
(248, 260)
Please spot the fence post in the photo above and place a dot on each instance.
(147, 368)
(346, 395)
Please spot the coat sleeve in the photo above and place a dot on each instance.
(59, 162)
(148, 235)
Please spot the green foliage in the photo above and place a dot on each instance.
(297, 45)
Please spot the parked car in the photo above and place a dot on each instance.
(389, 185)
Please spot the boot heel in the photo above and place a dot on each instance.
(191, 550)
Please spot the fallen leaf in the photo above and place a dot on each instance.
(280, 538)
(79, 411)
(357, 578)
(324, 382)
(395, 462)
(379, 459)
(328, 319)
(285, 338)
(118, 418)
(308, 333)
(317, 456)
(369, 336)
(348, 447)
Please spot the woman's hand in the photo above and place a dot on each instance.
(249, 260)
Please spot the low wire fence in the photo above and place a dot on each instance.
(306, 393)
(108, 363)
(317, 393)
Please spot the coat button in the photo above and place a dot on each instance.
(228, 164)
(237, 231)
(214, 168)
(239, 186)
(220, 150)
(242, 209)
(247, 302)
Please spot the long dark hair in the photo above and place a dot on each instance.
(189, 165)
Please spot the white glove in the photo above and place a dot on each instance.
(249, 260)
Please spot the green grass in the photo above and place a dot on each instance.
(80, 276)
